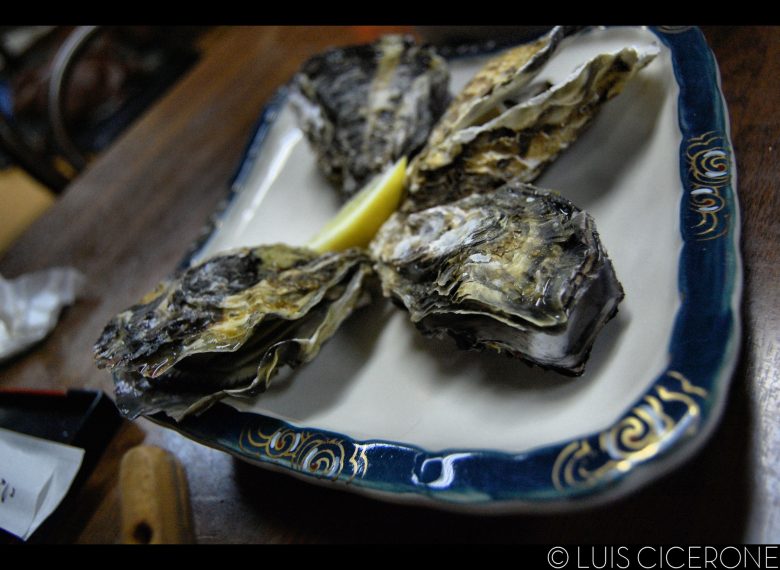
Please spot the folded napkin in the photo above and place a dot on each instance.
(35, 475)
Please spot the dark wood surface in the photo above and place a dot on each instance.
(132, 215)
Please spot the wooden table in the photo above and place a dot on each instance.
(132, 215)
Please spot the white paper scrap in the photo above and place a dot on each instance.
(30, 306)
(35, 475)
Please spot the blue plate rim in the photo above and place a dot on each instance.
(664, 427)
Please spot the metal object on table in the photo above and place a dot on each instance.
(63, 63)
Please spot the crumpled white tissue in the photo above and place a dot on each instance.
(30, 306)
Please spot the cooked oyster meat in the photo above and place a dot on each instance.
(518, 270)
(225, 326)
(504, 127)
(364, 107)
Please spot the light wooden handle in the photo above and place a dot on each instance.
(154, 498)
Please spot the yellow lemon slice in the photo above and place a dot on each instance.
(359, 219)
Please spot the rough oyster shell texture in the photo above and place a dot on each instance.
(503, 127)
(364, 107)
(474, 253)
(225, 326)
(518, 270)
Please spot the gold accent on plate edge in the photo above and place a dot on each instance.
(709, 169)
(308, 452)
(635, 438)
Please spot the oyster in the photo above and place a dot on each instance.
(518, 270)
(225, 326)
(364, 107)
(503, 127)
(504, 77)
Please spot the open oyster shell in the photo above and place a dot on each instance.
(504, 77)
(225, 326)
(504, 127)
(518, 270)
(364, 107)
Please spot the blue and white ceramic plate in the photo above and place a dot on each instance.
(386, 412)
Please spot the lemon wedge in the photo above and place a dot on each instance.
(359, 219)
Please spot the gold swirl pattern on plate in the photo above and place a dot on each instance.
(635, 438)
(305, 451)
(709, 170)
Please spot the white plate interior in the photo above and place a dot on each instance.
(378, 378)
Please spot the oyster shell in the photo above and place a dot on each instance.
(503, 127)
(504, 77)
(364, 107)
(225, 326)
(518, 270)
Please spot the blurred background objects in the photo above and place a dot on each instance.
(66, 93)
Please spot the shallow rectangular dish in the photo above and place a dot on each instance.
(386, 412)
